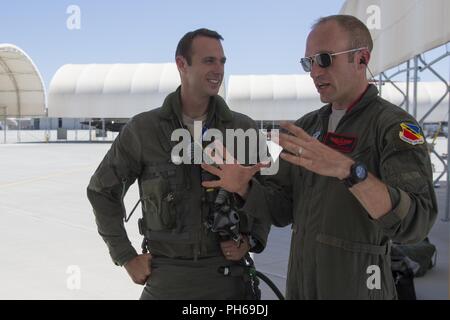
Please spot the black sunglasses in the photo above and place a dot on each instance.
(323, 60)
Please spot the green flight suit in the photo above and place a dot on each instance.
(335, 244)
(186, 254)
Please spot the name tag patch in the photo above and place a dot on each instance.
(342, 143)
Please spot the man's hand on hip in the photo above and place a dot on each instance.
(139, 268)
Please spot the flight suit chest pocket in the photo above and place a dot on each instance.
(159, 196)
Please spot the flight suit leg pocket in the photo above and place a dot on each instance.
(353, 270)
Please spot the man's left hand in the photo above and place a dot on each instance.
(235, 251)
(313, 155)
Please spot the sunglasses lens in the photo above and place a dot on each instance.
(306, 64)
(323, 60)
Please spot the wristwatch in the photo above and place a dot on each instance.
(358, 173)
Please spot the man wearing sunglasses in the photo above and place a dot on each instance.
(355, 175)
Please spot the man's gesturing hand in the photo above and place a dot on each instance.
(233, 176)
(312, 154)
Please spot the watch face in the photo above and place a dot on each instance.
(360, 172)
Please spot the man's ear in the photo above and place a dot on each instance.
(181, 64)
(364, 57)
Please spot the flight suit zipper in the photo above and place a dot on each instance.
(310, 185)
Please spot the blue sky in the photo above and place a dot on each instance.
(261, 36)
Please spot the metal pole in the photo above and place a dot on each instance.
(90, 130)
(407, 86)
(18, 130)
(103, 129)
(447, 204)
(75, 127)
(47, 127)
(416, 70)
(379, 84)
(4, 123)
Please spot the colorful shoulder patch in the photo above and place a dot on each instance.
(411, 134)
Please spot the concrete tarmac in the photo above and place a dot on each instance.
(50, 248)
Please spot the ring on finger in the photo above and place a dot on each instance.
(299, 151)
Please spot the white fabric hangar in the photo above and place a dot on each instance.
(401, 29)
(272, 97)
(289, 97)
(22, 91)
(110, 90)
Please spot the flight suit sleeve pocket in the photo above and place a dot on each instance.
(158, 204)
(411, 181)
(103, 178)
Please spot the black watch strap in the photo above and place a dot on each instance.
(349, 182)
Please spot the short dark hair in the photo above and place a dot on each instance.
(359, 34)
(184, 47)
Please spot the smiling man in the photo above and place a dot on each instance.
(355, 176)
(182, 255)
